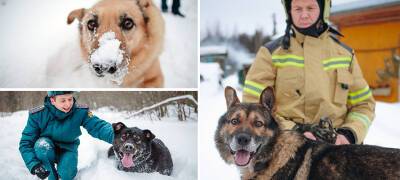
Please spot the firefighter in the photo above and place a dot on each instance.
(314, 75)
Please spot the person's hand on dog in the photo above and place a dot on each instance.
(309, 135)
(40, 171)
(341, 139)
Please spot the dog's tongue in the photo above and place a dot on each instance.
(127, 160)
(242, 157)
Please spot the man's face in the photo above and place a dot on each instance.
(304, 12)
(63, 102)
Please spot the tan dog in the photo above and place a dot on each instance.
(121, 40)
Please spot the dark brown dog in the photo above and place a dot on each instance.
(248, 136)
(139, 151)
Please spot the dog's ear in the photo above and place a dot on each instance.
(145, 3)
(148, 135)
(76, 14)
(231, 97)
(118, 127)
(267, 98)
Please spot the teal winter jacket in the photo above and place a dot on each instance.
(62, 128)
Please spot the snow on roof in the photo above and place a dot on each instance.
(206, 50)
(362, 5)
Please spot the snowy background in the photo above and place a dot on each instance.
(39, 49)
(244, 16)
(93, 164)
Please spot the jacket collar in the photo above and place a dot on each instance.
(301, 37)
(56, 112)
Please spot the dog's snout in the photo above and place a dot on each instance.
(243, 139)
(98, 68)
(128, 147)
(112, 69)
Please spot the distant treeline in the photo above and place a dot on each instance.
(11, 101)
(252, 42)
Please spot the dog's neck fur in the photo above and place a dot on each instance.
(274, 155)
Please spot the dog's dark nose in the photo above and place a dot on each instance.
(112, 69)
(243, 139)
(128, 147)
(98, 68)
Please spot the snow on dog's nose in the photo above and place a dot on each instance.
(108, 56)
(108, 59)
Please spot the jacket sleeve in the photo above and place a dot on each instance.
(98, 128)
(30, 134)
(361, 105)
(262, 74)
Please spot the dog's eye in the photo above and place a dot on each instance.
(259, 124)
(123, 137)
(235, 121)
(92, 25)
(127, 24)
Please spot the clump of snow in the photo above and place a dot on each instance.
(109, 54)
(45, 144)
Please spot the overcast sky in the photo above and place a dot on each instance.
(244, 15)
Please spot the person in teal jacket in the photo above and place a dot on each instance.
(51, 135)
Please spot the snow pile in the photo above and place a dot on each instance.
(93, 164)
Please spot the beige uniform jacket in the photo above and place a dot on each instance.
(314, 78)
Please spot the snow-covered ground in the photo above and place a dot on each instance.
(39, 49)
(384, 130)
(179, 137)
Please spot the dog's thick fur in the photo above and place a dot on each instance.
(148, 153)
(248, 136)
(142, 44)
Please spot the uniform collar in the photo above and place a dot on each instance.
(56, 112)
(301, 37)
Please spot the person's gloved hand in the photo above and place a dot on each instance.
(40, 171)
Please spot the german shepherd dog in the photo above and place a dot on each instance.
(248, 136)
(138, 150)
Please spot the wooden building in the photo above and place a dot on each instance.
(372, 29)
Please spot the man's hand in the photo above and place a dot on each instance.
(310, 135)
(341, 139)
(40, 171)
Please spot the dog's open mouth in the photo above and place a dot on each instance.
(127, 160)
(242, 157)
